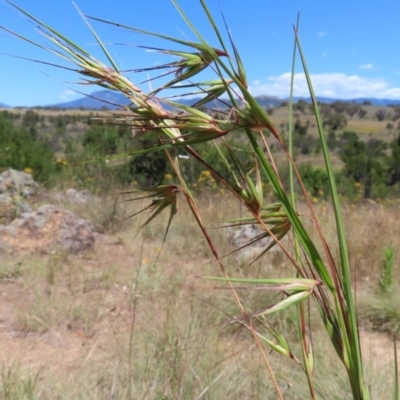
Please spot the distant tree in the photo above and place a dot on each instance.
(301, 106)
(364, 162)
(352, 109)
(394, 162)
(339, 106)
(389, 126)
(324, 109)
(335, 121)
(381, 114)
(396, 110)
(300, 128)
(361, 113)
(270, 110)
(332, 140)
(30, 118)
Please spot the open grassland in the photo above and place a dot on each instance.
(367, 125)
(111, 324)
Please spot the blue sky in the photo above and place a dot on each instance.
(352, 47)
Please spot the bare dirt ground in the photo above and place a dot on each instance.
(62, 349)
(66, 347)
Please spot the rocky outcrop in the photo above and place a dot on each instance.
(71, 196)
(46, 229)
(15, 188)
(249, 238)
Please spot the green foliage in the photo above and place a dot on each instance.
(101, 140)
(364, 163)
(301, 106)
(299, 128)
(394, 162)
(147, 169)
(17, 384)
(315, 180)
(30, 118)
(332, 140)
(20, 149)
(386, 276)
(335, 121)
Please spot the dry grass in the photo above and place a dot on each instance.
(66, 322)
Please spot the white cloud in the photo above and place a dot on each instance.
(366, 66)
(67, 94)
(322, 34)
(334, 85)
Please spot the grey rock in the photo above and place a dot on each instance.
(74, 196)
(46, 229)
(71, 196)
(247, 238)
(248, 234)
(15, 188)
(19, 183)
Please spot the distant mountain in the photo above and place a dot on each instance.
(96, 100)
(113, 100)
(2, 105)
(377, 102)
(361, 100)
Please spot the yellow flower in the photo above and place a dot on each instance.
(314, 199)
(168, 176)
(28, 170)
(61, 161)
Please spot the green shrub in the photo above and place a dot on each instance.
(386, 276)
(21, 149)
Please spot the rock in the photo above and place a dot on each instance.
(46, 229)
(17, 183)
(243, 237)
(77, 197)
(245, 234)
(71, 196)
(15, 188)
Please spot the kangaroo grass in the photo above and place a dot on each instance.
(318, 278)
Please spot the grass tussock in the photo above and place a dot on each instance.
(157, 314)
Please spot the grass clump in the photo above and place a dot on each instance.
(315, 293)
(17, 384)
(386, 277)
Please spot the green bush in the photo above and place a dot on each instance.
(315, 180)
(364, 163)
(21, 149)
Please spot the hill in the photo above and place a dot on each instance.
(113, 100)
